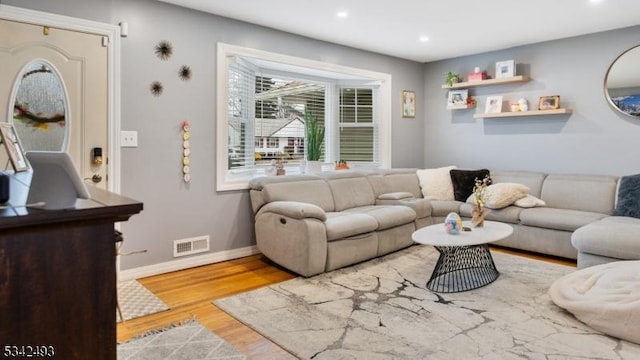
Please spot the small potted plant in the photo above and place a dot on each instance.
(341, 165)
(314, 140)
(451, 78)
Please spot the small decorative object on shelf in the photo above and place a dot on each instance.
(186, 151)
(457, 97)
(494, 104)
(453, 224)
(549, 102)
(515, 107)
(524, 105)
(479, 193)
(341, 165)
(505, 69)
(451, 78)
(477, 75)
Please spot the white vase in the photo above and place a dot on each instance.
(313, 167)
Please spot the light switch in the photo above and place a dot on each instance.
(128, 138)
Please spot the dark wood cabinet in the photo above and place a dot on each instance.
(58, 278)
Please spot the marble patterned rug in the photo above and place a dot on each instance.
(185, 341)
(381, 309)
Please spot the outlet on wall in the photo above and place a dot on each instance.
(128, 138)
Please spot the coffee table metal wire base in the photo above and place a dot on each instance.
(462, 268)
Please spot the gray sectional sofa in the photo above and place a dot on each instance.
(315, 223)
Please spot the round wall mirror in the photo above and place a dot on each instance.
(622, 83)
(40, 108)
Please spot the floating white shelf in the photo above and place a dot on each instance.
(468, 84)
(461, 107)
(522, 113)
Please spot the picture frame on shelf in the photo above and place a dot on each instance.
(408, 104)
(14, 149)
(551, 102)
(457, 97)
(493, 105)
(505, 69)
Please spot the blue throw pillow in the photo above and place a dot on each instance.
(628, 197)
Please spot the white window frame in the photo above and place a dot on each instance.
(224, 182)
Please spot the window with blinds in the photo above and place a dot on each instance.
(267, 96)
(357, 126)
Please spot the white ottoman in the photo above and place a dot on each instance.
(606, 297)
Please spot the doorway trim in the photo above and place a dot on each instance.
(112, 32)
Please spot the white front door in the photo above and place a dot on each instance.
(80, 60)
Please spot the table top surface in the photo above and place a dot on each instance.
(436, 235)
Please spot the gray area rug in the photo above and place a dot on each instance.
(136, 300)
(187, 341)
(381, 310)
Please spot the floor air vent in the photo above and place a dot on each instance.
(190, 246)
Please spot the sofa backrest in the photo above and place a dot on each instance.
(396, 180)
(350, 189)
(595, 193)
(257, 184)
(315, 191)
(533, 180)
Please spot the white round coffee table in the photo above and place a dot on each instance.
(465, 262)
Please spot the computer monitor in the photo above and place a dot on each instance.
(55, 183)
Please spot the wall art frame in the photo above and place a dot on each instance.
(408, 104)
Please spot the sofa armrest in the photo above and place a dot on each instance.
(294, 209)
(400, 195)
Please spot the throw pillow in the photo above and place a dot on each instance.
(628, 197)
(436, 183)
(500, 195)
(464, 180)
(529, 201)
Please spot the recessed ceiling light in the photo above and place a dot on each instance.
(423, 38)
(342, 14)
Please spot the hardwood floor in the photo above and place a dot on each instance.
(189, 293)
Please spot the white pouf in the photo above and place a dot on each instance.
(606, 297)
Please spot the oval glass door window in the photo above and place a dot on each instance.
(40, 111)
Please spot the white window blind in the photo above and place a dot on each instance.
(240, 115)
(358, 128)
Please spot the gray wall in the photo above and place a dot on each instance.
(594, 139)
(151, 173)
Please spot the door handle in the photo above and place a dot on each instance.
(96, 178)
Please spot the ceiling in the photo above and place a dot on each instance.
(453, 28)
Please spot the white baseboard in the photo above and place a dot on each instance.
(175, 265)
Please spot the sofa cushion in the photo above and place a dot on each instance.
(340, 225)
(443, 208)
(530, 179)
(614, 236)
(395, 180)
(594, 193)
(498, 196)
(529, 201)
(628, 203)
(351, 192)
(558, 219)
(464, 181)
(387, 216)
(315, 192)
(436, 183)
(509, 214)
